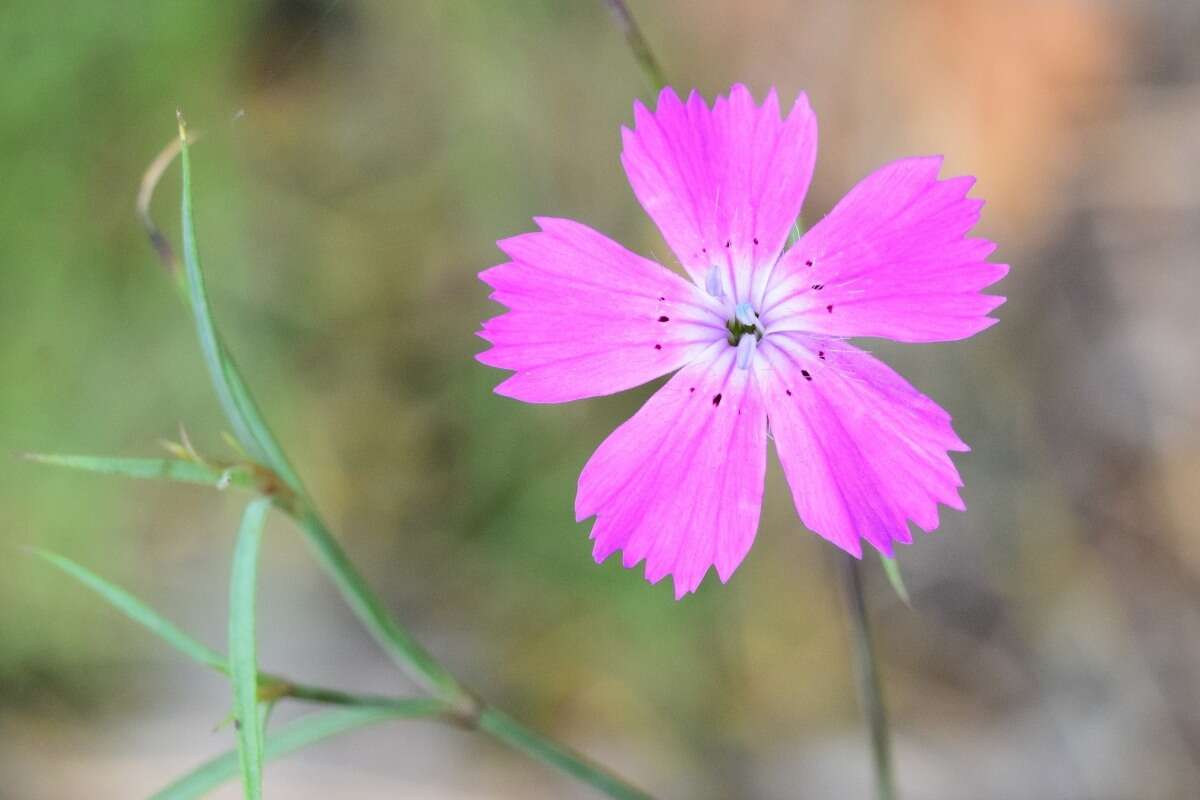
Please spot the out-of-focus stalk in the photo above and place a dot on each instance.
(866, 670)
(637, 43)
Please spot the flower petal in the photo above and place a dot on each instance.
(680, 483)
(863, 451)
(890, 261)
(588, 317)
(725, 186)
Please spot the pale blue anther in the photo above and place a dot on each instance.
(745, 351)
(745, 315)
(712, 282)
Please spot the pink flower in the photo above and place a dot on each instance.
(757, 338)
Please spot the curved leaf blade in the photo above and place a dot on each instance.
(234, 395)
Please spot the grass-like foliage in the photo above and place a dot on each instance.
(263, 470)
(139, 612)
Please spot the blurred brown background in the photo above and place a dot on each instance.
(1054, 647)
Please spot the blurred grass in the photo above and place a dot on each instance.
(86, 322)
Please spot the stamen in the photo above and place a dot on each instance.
(745, 351)
(745, 315)
(747, 318)
(712, 282)
(744, 322)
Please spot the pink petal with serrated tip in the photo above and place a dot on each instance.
(679, 485)
(724, 185)
(863, 451)
(588, 317)
(891, 260)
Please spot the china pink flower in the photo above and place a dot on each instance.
(757, 338)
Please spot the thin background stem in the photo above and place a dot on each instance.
(866, 670)
(870, 691)
(637, 43)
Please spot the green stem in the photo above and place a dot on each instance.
(506, 729)
(866, 669)
(407, 653)
(335, 697)
(243, 650)
(637, 43)
(290, 497)
(407, 707)
(486, 719)
(464, 707)
(399, 644)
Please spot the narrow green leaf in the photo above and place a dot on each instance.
(236, 401)
(891, 568)
(137, 611)
(243, 662)
(167, 469)
(307, 730)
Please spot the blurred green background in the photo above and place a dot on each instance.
(360, 160)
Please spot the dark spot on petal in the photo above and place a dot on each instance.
(756, 240)
(658, 347)
(818, 286)
(789, 392)
(728, 242)
(664, 318)
(703, 249)
(807, 377)
(808, 263)
(821, 354)
(662, 299)
(693, 389)
(829, 309)
(717, 399)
